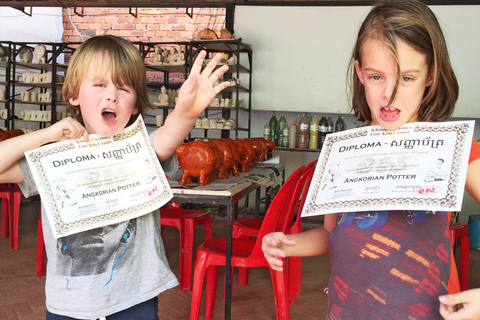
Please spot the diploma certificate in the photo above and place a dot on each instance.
(107, 180)
(420, 166)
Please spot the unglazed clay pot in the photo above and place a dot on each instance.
(198, 160)
(226, 158)
(233, 170)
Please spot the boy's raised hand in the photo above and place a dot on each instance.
(67, 128)
(271, 246)
(198, 90)
(469, 299)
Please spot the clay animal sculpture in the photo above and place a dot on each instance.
(245, 154)
(259, 151)
(25, 55)
(227, 158)
(10, 134)
(218, 156)
(197, 159)
(267, 144)
(40, 53)
(233, 170)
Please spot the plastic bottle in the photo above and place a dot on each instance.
(266, 131)
(297, 123)
(340, 124)
(309, 119)
(322, 131)
(331, 125)
(273, 128)
(292, 135)
(285, 135)
(281, 124)
(313, 142)
(302, 132)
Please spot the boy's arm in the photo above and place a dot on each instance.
(309, 243)
(13, 149)
(194, 96)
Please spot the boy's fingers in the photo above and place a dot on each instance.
(212, 64)
(198, 63)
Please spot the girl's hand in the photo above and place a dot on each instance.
(198, 90)
(470, 301)
(67, 128)
(271, 246)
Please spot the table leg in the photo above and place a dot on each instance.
(228, 263)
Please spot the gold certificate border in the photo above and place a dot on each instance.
(449, 200)
(48, 200)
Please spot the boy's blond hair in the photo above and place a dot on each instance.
(112, 54)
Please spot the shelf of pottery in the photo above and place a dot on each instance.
(32, 83)
(228, 115)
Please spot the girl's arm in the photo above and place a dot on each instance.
(472, 183)
(13, 149)
(309, 243)
(470, 301)
(194, 96)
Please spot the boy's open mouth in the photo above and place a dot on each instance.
(109, 115)
(390, 112)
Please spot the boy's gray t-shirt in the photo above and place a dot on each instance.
(99, 272)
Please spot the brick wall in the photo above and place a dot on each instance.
(149, 25)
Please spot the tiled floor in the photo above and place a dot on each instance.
(22, 293)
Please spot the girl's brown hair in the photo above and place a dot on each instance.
(414, 23)
(123, 61)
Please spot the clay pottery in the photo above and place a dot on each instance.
(226, 158)
(198, 160)
(218, 156)
(245, 155)
(233, 170)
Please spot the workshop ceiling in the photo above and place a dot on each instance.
(203, 3)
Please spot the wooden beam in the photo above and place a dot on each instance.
(206, 3)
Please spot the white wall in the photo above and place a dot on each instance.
(45, 25)
(301, 54)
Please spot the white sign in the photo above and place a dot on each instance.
(107, 180)
(420, 166)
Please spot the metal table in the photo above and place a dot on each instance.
(227, 198)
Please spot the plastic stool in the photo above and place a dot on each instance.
(40, 248)
(11, 198)
(474, 230)
(6, 195)
(14, 215)
(458, 230)
(185, 221)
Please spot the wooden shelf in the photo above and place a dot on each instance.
(297, 149)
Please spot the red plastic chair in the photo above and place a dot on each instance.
(7, 197)
(10, 213)
(40, 267)
(458, 230)
(185, 221)
(248, 253)
(244, 228)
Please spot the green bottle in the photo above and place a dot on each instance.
(281, 124)
(273, 128)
